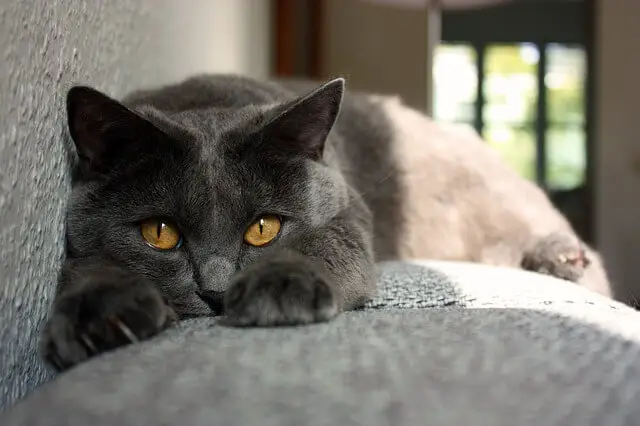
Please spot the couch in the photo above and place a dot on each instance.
(443, 343)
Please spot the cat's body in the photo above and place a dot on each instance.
(435, 191)
(216, 153)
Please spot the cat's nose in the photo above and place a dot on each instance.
(215, 300)
(216, 274)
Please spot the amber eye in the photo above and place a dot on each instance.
(263, 231)
(160, 234)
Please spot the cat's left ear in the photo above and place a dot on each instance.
(104, 131)
(301, 127)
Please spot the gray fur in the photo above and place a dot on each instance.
(214, 152)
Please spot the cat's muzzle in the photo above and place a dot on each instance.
(215, 300)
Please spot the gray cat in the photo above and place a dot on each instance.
(270, 203)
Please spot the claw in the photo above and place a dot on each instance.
(55, 360)
(579, 259)
(172, 317)
(88, 344)
(126, 331)
(584, 258)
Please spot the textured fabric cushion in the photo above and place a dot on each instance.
(442, 344)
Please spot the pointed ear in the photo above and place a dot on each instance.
(102, 129)
(301, 127)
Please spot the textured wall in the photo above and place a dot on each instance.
(46, 46)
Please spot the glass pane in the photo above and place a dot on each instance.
(511, 92)
(565, 81)
(455, 82)
(511, 85)
(516, 144)
(566, 156)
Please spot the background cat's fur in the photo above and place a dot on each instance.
(468, 204)
(212, 152)
(435, 190)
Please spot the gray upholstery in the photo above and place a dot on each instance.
(117, 45)
(443, 344)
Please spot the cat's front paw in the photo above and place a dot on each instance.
(559, 255)
(102, 318)
(282, 292)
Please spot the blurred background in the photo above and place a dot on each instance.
(550, 84)
(520, 73)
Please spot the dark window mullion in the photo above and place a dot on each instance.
(591, 31)
(566, 123)
(480, 98)
(541, 118)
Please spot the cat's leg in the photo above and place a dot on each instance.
(559, 254)
(99, 308)
(318, 275)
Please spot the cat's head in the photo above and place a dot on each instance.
(189, 198)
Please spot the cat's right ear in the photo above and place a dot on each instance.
(101, 128)
(301, 127)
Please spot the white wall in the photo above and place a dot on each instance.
(618, 140)
(222, 36)
(241, 39)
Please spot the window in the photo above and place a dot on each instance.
(565, 134)
(521, 110)
(518, 73)
(508, 114)
(456, 83)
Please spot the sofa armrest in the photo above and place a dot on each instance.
(442, 344)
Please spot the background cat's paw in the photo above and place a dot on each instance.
(280, 293)
(559, 255)
(104, 317)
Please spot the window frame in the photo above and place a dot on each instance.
(566, 23)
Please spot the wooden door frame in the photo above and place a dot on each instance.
(291, 18)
